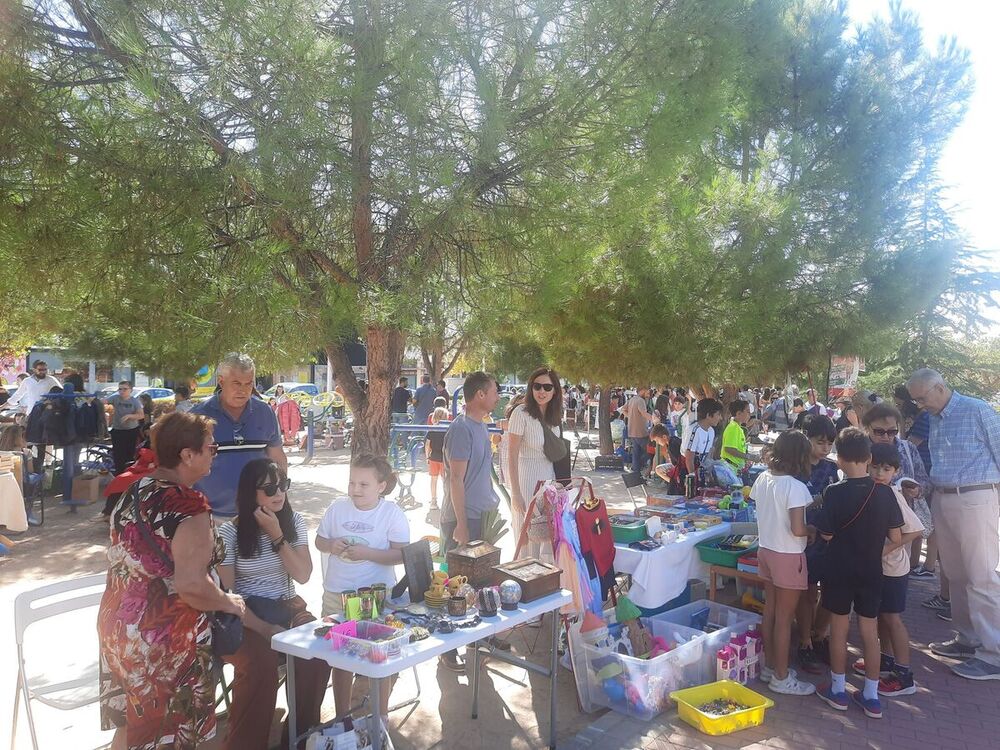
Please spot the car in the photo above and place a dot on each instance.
(309, 388)
(154, 392)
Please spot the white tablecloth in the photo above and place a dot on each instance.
(11, 504)
(661, 575)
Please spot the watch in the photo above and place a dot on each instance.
(276, 545)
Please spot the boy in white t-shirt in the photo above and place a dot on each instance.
(363, 534)
(781, 499)
(699, 441)
(895, 675)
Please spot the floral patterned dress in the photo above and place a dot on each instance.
(156, 651)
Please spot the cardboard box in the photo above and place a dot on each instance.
(88, 489)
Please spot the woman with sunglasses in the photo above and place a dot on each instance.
(267, 548)
(527, 464)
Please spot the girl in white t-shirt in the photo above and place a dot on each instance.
(363, 534)
(781, 499)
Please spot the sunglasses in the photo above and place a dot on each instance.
(885, 433)
(273, 488)
(547, 387)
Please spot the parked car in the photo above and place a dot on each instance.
(308, 388)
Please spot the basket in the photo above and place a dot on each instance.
(371, 641)
(626, 528)
(710, 553)
(688, 701)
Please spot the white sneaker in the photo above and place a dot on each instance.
(767, 674)
(791, 686)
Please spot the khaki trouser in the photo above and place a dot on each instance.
(968, 530)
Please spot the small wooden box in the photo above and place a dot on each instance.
(665, 501)
(475, 561)
(537, 578)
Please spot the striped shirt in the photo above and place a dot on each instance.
(265, 574)
(965, 443)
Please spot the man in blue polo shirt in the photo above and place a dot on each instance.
(245, 429)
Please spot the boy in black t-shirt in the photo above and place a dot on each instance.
(857, 517)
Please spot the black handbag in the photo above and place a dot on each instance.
(555, 447)
(562, 468)
(227, 628)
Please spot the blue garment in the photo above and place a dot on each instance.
(240, 441)
(965, 443)
(639, 453)
(922, 429)
(824, 473)
(424, 397)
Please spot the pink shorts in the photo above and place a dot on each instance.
(786, 570)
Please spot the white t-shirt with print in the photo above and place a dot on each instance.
(897, 562)
(375, 528)
(700, 441)
(774, 496)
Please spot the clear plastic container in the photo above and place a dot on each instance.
(371, 641)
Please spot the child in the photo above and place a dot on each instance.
(434, 447)
(897, 678)
(672, 472)
(781, 499)
(700, 439)
(363, 534)
(734, 444)
(856, 518)
(813, 621)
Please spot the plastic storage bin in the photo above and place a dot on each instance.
(717, 621)
(688, 701)
(711, 554)
(371, 641)
(641, 687)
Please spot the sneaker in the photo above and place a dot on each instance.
(897, 683)
(791, 686)
(33, 520)
(452, 661)
(871, 706)
(944, 614)
(767, 674)
(921, 572)
(810, 662)
(496, 643)
(953, 649)
(838, 701)
(977, 669)
(885, 666)
(936, 602)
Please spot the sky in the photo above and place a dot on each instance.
(970, 163)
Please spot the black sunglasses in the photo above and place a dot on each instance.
(547, 387)
(273, 488)
(884, 433)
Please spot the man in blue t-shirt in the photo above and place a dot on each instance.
(423, 401)
(245, 429)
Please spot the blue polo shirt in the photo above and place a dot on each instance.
(240, 441)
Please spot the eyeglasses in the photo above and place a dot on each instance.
(273, 488)
(213, 448)
(885, 433)
(547, 387)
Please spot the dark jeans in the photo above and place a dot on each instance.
(123, 447)
(38, 460)
(639, 454)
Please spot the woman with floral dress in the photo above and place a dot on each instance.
(157, 683)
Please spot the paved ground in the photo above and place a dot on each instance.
(947, 712)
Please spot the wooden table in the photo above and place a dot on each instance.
(722, 570)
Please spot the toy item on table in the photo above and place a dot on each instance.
(469, 593)
(510, 594)
(594, 631)
(489, 601)
(394, 622)
(752, 603)
(640, 639)
(455, 583)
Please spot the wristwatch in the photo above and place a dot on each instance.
(277, 545)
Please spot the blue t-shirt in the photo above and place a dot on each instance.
(239, 443)
(922, 429)
(424, 397)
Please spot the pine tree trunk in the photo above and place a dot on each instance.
(604, 421)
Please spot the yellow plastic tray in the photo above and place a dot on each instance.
(688, 700)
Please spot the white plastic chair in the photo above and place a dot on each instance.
(83, 688)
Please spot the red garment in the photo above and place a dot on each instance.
(289, 417)
(596, 539)
(145, 463)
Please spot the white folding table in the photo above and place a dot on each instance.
(301, 642)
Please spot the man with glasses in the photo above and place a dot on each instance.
(964, 443)
(245, 429)
(125, 420)
(29, 391)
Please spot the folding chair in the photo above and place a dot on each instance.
(584, 443)
(83, 687)
(634, 479)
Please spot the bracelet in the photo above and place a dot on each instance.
(275, 546)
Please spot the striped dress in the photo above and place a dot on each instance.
(532, 467)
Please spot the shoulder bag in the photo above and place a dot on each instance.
(227, 628)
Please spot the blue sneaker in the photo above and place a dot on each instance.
(871, 707)
(833, 700)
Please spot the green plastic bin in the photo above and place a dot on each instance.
(711, 554)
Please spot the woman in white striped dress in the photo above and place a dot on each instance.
(526, 463)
